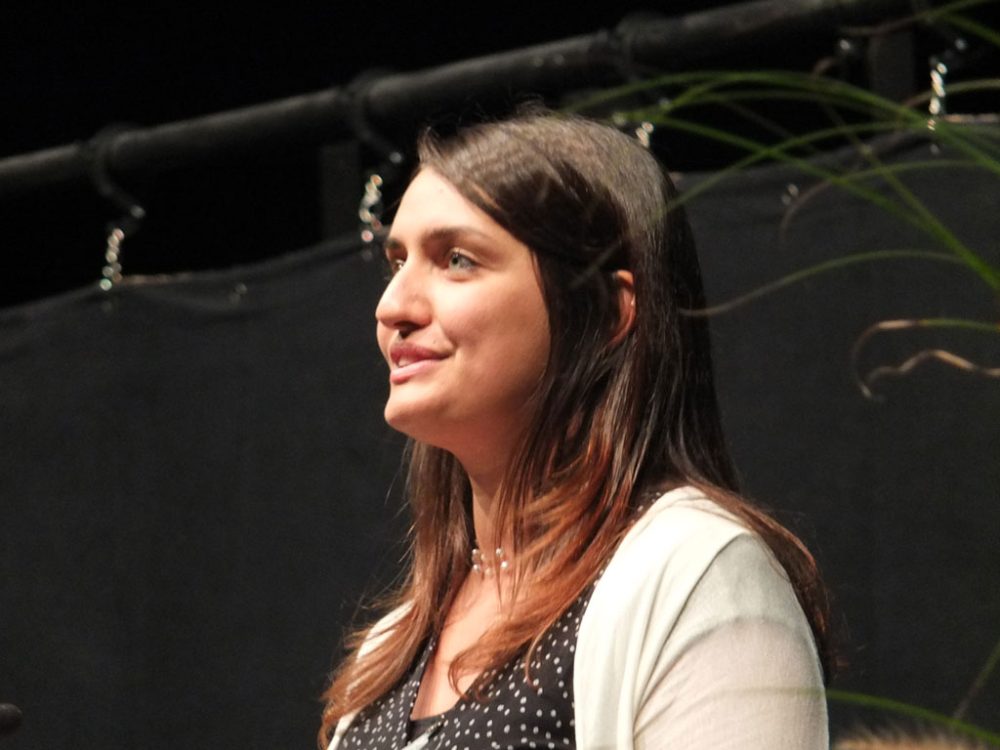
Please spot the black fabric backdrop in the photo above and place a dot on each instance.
(197, 487)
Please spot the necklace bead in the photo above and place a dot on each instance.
(487, 568)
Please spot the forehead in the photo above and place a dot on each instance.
(430, 198)
(432, 209)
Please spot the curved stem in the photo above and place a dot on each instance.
(938, 354)
(819, 268)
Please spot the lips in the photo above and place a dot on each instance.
(409, 360)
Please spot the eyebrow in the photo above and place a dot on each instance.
(437, 234)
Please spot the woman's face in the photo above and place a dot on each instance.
(462, 324)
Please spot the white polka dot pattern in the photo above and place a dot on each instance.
(512, 715)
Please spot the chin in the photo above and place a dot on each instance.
(423, 424)
(413, 420)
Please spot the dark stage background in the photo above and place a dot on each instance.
(195, 473)
(196, 486)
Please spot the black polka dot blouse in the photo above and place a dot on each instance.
(509, 715)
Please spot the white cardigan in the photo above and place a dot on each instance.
(693, 640)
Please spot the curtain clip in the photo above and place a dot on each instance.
(99, 149)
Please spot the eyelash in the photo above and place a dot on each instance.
(390, 267)
(394, 265)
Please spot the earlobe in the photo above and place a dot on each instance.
(625, 291)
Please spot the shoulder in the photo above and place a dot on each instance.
(687, 568)
(648, 580)
(680, 522)
(685, 542)
(667, 551)
(685, 556)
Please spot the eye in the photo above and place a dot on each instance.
(391, 265)
(458, 261)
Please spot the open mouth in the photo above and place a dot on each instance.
(409, 360)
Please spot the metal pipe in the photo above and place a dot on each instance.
(543, 69)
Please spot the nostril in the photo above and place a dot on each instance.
(405, 328)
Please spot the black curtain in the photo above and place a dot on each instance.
(198, 489)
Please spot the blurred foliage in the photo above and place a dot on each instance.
(741, 111)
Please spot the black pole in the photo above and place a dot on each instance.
(677, 42)
(543, 69)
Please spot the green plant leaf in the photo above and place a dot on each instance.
(914, 712)
(713, 87)
(710, 87)
(972, 27)
(977, 684)
(855, 114)
(816, 270)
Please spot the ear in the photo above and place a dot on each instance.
(625, 290)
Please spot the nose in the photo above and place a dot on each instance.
(404, 305)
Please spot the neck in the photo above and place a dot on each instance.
(485, 467)
(489, 558)
(484, 496)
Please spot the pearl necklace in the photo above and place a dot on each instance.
(486, 569)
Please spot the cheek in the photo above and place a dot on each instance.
(507, 339)
(528, 332)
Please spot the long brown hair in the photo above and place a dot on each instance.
(615, 416)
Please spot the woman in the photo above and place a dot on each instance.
(563, 418)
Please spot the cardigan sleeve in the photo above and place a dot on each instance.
(745, 674)
(694, 639)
